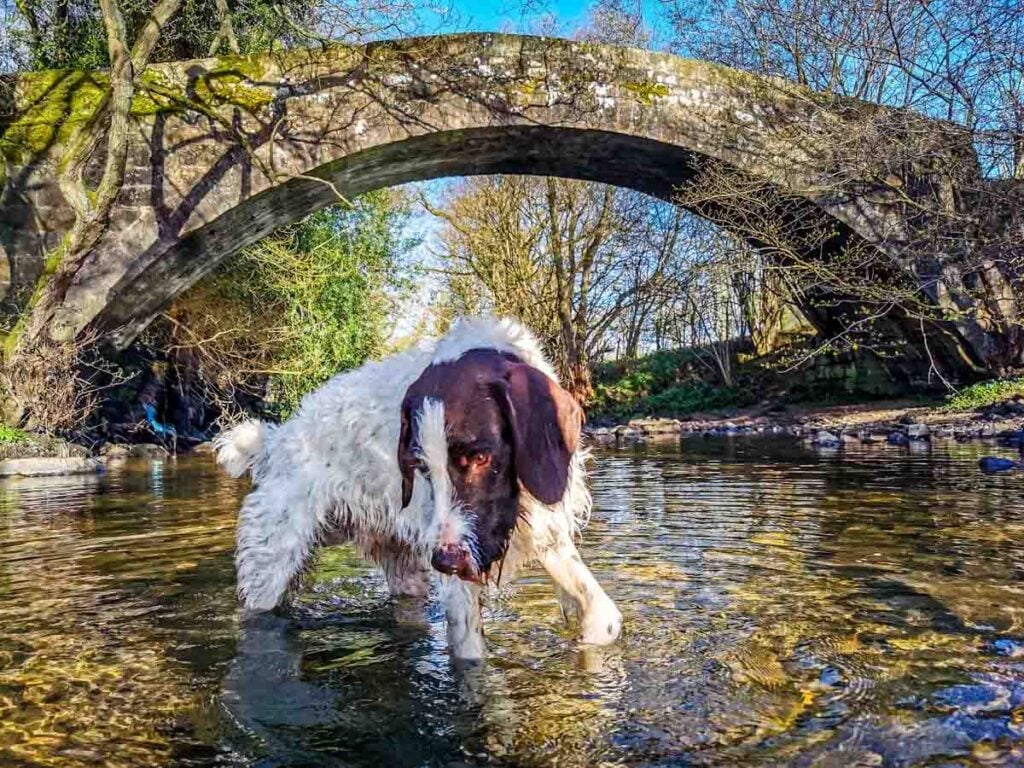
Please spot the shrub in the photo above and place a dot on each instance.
(10, 435)
(308, 302)
(986, 393)
(679, 400)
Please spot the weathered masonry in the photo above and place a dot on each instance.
(223, 151)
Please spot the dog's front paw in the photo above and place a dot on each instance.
(602, 624)
(466, 637)
(469, 647)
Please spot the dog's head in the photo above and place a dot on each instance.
(479, 429)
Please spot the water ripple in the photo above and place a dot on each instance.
(782, 607)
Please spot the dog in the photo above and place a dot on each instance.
(458, 460)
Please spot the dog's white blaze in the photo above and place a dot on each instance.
(449, 520)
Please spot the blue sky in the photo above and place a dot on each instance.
(523, 16)
(514, 16)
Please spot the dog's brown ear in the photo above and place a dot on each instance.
(406, 459)
(546, 423)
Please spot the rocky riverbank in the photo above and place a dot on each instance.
(894, 422)
(33, 455)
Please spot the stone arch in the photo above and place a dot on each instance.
(226, 150)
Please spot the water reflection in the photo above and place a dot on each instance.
(782, 607)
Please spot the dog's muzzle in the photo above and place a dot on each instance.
(455, 560)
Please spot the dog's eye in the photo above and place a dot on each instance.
(478, 459)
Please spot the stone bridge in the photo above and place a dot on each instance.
(223, 151)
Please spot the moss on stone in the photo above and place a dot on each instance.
(233, 89)
(155, 95)
(51, 106)
(646, 92)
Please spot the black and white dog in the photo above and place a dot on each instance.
(462, 455)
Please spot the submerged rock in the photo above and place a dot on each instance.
(48, 466)
(824, 439)
(897, 438)
(147, 451)
(993, 464)
(1011, 438)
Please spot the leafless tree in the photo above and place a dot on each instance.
(578, 262)
(959, 263)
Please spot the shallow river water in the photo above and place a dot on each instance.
(782, 607)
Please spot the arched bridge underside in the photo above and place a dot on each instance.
(224, 151)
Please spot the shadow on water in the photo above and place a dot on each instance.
(783, 607)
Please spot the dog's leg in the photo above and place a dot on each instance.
(406, 570)
(407, 576)
(278, 529)
(464, 622)
(600, 620)
(568, 605)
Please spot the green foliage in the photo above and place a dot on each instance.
(665, 383)
(334, 292)
(10, 435)
(69, 34)
(650, 373)
(986, 393)
(675, 401)
(310, 301)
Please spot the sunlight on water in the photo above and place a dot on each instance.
(782, 607)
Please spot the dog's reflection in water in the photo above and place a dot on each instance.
(379, 687)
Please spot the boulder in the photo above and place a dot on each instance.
(897, 438)
(824, 439)
(628, 434)
(48, 466)
(655, 426)
(1011, 438)
(994, 464)
(918, 432)
(147, 451)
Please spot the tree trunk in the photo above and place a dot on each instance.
(41, 338)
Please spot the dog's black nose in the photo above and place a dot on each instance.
(450, 559)
(455, 560)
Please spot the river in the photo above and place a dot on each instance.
(782, 606)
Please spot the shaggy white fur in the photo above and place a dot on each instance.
(333, 467)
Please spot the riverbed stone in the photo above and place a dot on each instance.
(918, 432)
(48, 466)
(825, 439)
(627, 434)
(655, 426)
(897, 438)
(147, 451)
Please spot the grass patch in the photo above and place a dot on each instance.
(679, 400)
(10, 435)
(986, 393)
(667, 383)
